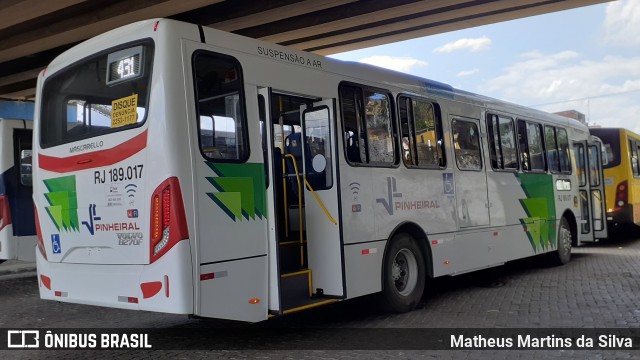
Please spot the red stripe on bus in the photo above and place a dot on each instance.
(95, 159)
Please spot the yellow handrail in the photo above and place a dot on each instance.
(295, 168)
(286, 207)
(326, 212)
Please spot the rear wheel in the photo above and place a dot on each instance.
(404, 274)
(562, 255)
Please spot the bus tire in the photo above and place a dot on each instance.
(404, 274)
(562, 255)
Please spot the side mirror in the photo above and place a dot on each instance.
(25, 168)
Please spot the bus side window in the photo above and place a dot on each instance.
(262, 116)
(594, 175)
(633, 153)
(467, 145)
(220, 107)
(421, 129)
(523, 145)
(551, 146)
(408, 151)
(367, 118)
(536, 150)
(350, 102)
(531, 148)
(581, 164)
(502, 143)
(563, 150)
(378, 120)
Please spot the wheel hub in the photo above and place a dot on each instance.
(565, 237)
(404, 271)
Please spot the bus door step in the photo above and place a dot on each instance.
(297, 293)
(289, 256)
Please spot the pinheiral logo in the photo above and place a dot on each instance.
(395, 202)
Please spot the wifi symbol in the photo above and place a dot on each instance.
(355, 189)
(131, 189)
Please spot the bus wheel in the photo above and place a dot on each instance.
(562, 255)
(404, 274)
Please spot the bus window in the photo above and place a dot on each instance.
(78, 102)
(551, 145)
(536, 152)
(368, 126)
(581, 164)
(351, 101)
(611, 143)
(584, 208)
(467, 145)
(407, 131)
(318, 137)
(594, 174)
(378, 122)
(563, 151)
(523, 145)
(633, 154)
(220, 107)
(502, 143)
(635, 157)
(262, 116)
(421, 133)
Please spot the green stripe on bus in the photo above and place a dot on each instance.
(540, 208)
(248, 180)
(63, 202)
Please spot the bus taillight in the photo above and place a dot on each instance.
(39, 233)
(5, 213)
(168, 220)
(622, 195)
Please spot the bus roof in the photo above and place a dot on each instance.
(400, 82)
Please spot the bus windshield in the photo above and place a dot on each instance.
(100, 94)
(611, 143)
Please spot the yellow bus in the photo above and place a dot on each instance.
(621, 175)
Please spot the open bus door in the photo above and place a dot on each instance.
(321, 190)
(591, 188)
(303, 200)
(231, 239)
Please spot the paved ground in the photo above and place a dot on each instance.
(14, 267)
(600, 288)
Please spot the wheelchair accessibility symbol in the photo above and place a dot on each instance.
(55, 243)
(447, 184)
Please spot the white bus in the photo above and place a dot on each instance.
(17, 224)
(211, 174)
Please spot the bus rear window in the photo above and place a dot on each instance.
(611, 143)
(100, 94)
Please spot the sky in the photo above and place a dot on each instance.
(585, 59)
